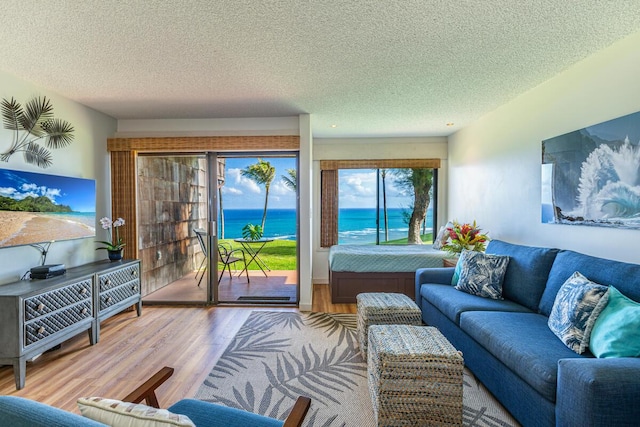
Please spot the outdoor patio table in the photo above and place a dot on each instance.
(253, 248)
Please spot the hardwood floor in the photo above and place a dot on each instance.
(131, 349)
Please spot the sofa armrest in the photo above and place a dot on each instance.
(598, 392)
(20, 412)
(440, 276)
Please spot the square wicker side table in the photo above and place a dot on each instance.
(415, 376)
(383, 308)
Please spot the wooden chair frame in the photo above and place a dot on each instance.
(147, 393)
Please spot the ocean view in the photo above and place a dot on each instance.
(356, 226)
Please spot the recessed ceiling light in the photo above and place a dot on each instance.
(450, 124)
(334, 125)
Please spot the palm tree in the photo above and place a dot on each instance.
(262, 173)
(419, 181)
(383, 175)
(37, 122)
(291, 181)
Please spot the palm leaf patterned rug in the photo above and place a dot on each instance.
(277, 356)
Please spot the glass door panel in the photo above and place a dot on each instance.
(173, 224)
(257, 228)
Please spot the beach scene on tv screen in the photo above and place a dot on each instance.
(38, 208)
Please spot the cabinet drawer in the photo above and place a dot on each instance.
(116, 278)
(49, 325)
(49, 302)
(121, 293)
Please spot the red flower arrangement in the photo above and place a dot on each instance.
(465, 236)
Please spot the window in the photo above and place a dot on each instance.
(355, 194)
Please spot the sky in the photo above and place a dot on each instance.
(357, 187)
(77, 193)
(240, 192)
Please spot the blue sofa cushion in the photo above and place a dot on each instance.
(624, 276)
(20, 412)
(452, 302)
(523, 342)
(527, 272)
(205, 414)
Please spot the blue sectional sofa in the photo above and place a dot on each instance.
(509, 347)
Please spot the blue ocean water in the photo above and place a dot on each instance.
(356, 226)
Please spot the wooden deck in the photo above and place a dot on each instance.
(278, 287)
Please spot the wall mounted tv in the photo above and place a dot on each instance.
(38, 208)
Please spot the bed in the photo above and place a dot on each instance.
(354, 269)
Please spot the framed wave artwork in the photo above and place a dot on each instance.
(38, 208)
(591, 176)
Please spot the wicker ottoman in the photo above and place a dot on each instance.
(415, 376)
(380, 308)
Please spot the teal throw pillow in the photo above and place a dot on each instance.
(616, 333)
(456, 273)
(578, 304)
(481, 274)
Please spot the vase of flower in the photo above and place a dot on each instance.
(114, 245)
(465, 237)
(115, 254)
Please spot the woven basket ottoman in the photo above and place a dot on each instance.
(382, 308)
(415, 376)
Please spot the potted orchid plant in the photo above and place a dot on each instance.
(465, 237)
(112, 246)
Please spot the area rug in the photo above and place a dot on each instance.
(277, 356)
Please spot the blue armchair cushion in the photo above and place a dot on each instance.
(578, 304)
(20, 412)
(527, 272)
(481, 274)
(205, 414)
(616, 332)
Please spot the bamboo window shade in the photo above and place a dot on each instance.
(329, 188)
(124, 157)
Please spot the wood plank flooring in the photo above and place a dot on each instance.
(131, 349)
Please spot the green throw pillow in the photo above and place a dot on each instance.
(616, 333)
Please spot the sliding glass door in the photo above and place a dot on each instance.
(257, 228)
(219, 228)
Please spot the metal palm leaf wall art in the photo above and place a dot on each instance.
(33, 125)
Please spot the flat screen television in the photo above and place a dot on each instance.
(38, 208)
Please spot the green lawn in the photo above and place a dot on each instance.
(281, 254)
(278, 255)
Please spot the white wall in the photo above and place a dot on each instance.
(371, 148)
(494, 164)
(86, 157)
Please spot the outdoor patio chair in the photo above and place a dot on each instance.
(200, 234)
(228, 256)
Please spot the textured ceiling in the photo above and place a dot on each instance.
(372, 68)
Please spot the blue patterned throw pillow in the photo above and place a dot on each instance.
(481, 274)
(578, 304)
